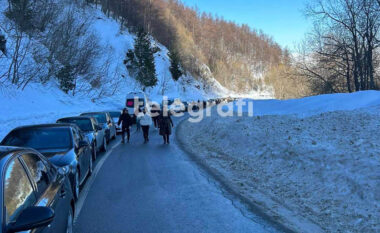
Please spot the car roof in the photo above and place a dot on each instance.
(86, 113)
(55, 125)
(9, 150)
(77, 117)
(5, 150)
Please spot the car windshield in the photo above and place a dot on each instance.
(83, 124)
(40, 138)
(115, 114)
(100, 117)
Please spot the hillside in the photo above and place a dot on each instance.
(30, 90)
(99, 46)
(237, 56)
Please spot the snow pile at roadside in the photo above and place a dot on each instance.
(315, 104)
(317, 173)
(39, 104)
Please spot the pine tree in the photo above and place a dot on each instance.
(175, 67)
(66, 79)
(140, 61)
(3, 43)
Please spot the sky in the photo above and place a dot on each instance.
(284, 20)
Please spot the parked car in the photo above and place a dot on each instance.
(105, 121)
(115, 117)
(37, 196)
(94, 133)
(63, 144)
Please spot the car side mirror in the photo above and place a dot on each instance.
(83, 144)
(98, 127)
(32, 218)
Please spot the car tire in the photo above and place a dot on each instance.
(70, 222)
(104, 147)
(76, 187)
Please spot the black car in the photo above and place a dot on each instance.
(105, 120)
(63, 144)
(94, 132)
(36, 195)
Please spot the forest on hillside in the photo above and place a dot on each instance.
(238, 57)
(339, 54)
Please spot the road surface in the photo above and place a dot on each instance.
(153, 187)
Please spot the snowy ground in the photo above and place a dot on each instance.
(313, 172)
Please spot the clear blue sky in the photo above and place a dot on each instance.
(284, 20)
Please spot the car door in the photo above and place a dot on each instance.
(99, 133)
(87, 153)
(16, 181)
(111, 124)
(50, 190)
(81, 155)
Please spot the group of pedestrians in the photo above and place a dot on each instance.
(144, 120)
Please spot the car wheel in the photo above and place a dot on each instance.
(70, 222)
(94, 152)
(90, 167)
(104, 148)
(76, 186)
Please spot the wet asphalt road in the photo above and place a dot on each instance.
(153, 187)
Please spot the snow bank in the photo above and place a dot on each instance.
(318, 173)
(315, 104)
(39, 104)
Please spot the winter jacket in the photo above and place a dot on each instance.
(145, 120)
(126, 120)
(165, 124)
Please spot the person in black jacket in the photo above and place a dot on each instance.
(165, 125)
(126, 121)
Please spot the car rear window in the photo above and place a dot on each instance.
(100, 117)
(40, 138)
(115, 114)
(83, 124)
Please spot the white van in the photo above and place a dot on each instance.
(136, 100)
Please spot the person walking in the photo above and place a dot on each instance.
(146, 122)
(165, 125)
(155, 111)
(139, 114)
(126, 121)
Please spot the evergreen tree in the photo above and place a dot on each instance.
(66, 78)
(21, 12)
(175, 66)
(3, 43)
(140, 61)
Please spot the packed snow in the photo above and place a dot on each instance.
(306, 162)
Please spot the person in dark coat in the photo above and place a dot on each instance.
(126, 120)
(165, 125)
(155, 111)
